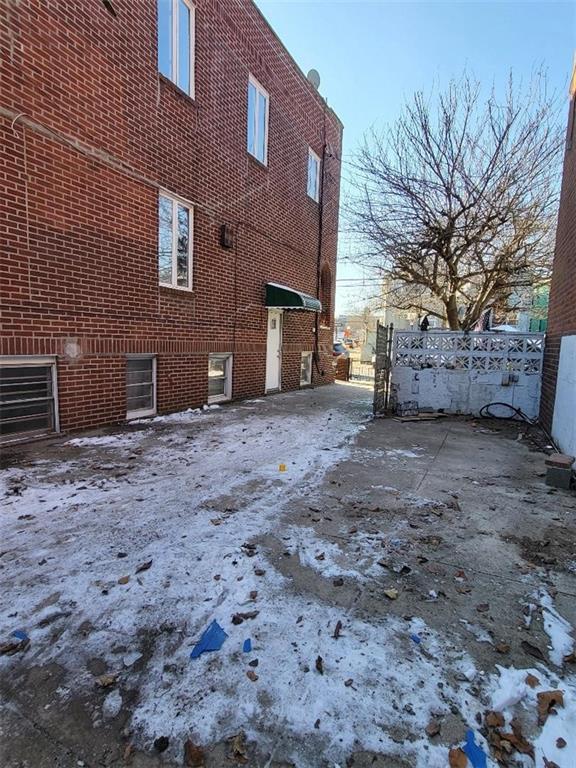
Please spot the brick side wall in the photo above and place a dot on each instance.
(562, 307)
(89, 134)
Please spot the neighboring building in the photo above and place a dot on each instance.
(170, 190)
(558, 405)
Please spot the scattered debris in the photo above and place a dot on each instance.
(502, 647)
(247, 646)
(20, 643)
(123, 579)
(337, 630)
(561, 743)
(339, 582)
(144, 566)
(238, 618)
(475, 754)
(494, 720)
(457, 758)
(320, 665)
(433, 728)
(251, 675)
(416, 638)
(348, 683)
(532, 681)
(106, 681)
(391, 593)
(211, 640)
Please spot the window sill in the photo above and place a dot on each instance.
(140, 414)
(176, 288)
(171, 85)
(257, 163)
(218, 399)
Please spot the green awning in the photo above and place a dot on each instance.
(287, 298)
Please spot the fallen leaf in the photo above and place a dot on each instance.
(14, 646)
(239, 748)
(547, 700)
(337, 630)
(561, 743)
(494, 719)
(502, 648)
(253, 594)
(317, 724)
(348, 682)
(161, 744)
(251, 675)
(193, 755)
(570, 658)
(321, 556)
(483, 607)
(457, 758)
(339, 582)
(144, 566)
(106, 681)
(320, 665)
(259, 571)
(463, 589)
(391, 594)
(433, 728)
(550, 763)
(123, 579)
(238, 618)
(532, 681)
(532, 650)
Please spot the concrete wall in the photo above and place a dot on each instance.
(466, 391)
(564, 421)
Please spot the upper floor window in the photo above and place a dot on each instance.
(258, 104)
(175, 226)
(176, 42)
(313, 175)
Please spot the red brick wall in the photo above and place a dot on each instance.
(89, 132)
(562, 308)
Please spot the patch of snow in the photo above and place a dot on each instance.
(112, 704)
(557, 628)
(398, 453)
(106, 441)
(480, 634)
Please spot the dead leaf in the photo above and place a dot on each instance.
(550, 763)
(532, 650)
(571, 658)
(502, 648)
(391, 593)
(259, 571)
(348, 682)
(457, 758)
(238, 618)
(463, 589)
(339, 582)
(193, 755)
(494, 719)
(483, 607)
(253, 594)
(320, 665)
(532, 681)
(433, 728)
(321, 556)
(561, 743)
(144, 566)
(547, 700)
(14, 646)
(251, 675)
(239, 748)
(106, 681)
(123, 579)
(337, 630)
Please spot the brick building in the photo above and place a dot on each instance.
(558, 404)
(169, 211)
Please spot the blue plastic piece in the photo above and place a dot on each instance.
(473, 752)
(211, 640)
(417, 639)
(247, 647)
(19, 634)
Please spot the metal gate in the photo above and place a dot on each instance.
(382, 367)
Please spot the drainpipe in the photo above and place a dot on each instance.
(316, 356)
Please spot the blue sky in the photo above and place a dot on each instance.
(373, 55)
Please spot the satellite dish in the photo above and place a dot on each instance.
(314, 77)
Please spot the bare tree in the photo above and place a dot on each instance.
(455, 203)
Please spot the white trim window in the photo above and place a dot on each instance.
(219, 377)
(313, 187)
(258, 110)
(28, 397)
(176, 42)
(306, 369)
(140, 386)
(175, 232)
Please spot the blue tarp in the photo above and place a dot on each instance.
(211, 640)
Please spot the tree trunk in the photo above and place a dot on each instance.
(452, 313)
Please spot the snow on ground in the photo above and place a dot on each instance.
(132, 565)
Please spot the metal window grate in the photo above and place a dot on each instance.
(26, 401)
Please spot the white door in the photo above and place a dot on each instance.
(273, 350)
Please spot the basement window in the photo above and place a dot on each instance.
(28, 399)
(306, 369)
(219, 378)
(140, 386)
(313, 175)
(176, 42)
(258, 107)
(175, 228)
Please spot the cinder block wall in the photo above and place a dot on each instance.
(89, 132)
(562, 308)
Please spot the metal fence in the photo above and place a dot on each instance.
(361, 371)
